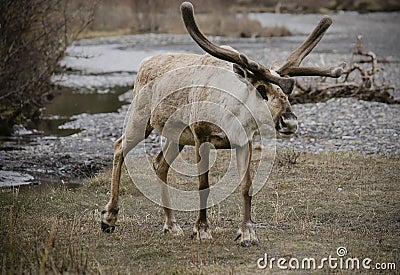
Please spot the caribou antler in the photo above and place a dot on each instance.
(292, 66)
(286, 83)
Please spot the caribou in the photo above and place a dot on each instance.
(263, 89)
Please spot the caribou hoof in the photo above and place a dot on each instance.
(201, 232)
(107, 228)
(108, 219)
(247, 235)
(245, 243)
(174, 229)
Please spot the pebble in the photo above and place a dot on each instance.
(336, 125)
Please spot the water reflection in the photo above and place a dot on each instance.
(70, 102)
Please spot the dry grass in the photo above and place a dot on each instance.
(311, 205)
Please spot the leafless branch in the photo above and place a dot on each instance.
(362, 79)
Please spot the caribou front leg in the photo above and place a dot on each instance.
(246, 231)
(137, 129)
(122, 146)
(110, 213)
(201, 229)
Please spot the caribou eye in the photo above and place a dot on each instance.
(263, 92)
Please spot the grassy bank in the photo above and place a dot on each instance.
(310, 206)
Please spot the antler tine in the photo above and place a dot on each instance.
(291, 67)
(285, 83)
(316, 71)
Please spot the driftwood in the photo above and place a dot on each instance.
(363, 78)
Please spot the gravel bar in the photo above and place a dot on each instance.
(351, 125)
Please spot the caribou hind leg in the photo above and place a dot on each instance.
(201, 229)
(161, 165)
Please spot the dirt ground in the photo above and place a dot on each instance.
(311, 206)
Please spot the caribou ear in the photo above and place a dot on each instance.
(239, 70)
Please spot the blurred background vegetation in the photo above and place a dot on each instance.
(35, 33)
(217, 17)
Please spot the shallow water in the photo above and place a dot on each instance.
(70, 102)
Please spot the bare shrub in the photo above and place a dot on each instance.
(33, 37)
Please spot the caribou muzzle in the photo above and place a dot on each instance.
(287, 124)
